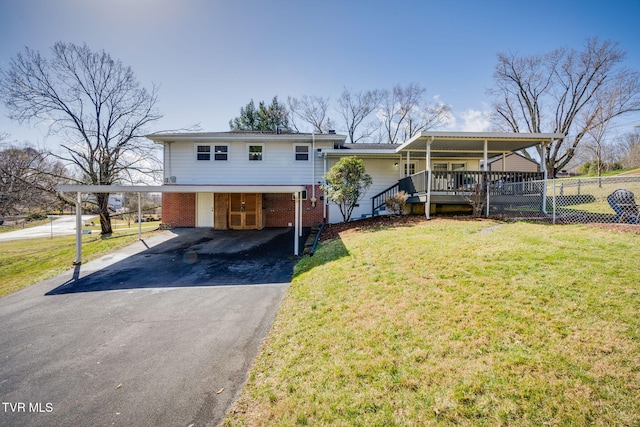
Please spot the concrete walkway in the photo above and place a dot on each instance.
(60, 226)
(161, 333)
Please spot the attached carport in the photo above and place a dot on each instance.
(295, 190)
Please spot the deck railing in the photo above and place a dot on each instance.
(459, 182)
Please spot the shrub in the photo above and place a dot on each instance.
(397, 202)
(36, 216)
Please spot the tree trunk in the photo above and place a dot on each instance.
(103, 209)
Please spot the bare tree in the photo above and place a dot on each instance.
(629, 145)
(95, 104)
(28, 181)
(355, 108)
(562, 92)
(312, 110)
(404, 112)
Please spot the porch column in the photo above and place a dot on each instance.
(407, 166)
(543, 165)
(427, 207)
(78, 259)
(486, 168)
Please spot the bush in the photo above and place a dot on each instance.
(397, 202)
(36, 216)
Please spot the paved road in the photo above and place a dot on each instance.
(159, 334)
(61, 226)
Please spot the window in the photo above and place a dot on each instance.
(221, 152)
(302, 153)
(203, 152)
(458, 166)
(439, 167)
(304, 195)
(412, 168)
(255, 152)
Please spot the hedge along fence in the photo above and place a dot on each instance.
(569, 200)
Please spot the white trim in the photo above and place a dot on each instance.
(295, 153)
(215, 152)
(262, 152)
(196, 152)
(181, 188)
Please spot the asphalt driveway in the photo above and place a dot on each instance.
(161, 333)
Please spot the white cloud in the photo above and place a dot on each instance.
(475, 120)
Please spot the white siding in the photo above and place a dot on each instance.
(384, 175)
(514, 162)
(278, 166)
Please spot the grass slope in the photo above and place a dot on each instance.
(455, 323)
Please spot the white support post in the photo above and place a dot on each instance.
(139, 216)
(486, 168)
(408, 161)
(543, 165)
(78, 259)
(296, 238)
(427, 207)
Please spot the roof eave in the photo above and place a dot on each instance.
(249, 137)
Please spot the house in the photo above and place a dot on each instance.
(252, 180)
(513, 162)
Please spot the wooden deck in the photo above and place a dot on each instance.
(454, 187)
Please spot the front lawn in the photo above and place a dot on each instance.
(455, 323)
(25, 262)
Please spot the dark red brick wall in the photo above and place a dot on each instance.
(179, 209)
(279, 209)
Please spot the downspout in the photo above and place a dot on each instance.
(167, 158)
(313, 169)
(325, 202)
(296, 238)
(428, 156)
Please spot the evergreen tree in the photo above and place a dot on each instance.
(273, 117)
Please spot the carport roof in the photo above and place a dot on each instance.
(471, 144)
(181, 188)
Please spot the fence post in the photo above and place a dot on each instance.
(553, 182)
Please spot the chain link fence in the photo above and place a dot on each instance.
(570, 200)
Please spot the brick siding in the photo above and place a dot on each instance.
(179, 209)
(279, 209)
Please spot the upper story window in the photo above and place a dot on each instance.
(221, 152)
(256, 152)
(302, 152)
(203, 152)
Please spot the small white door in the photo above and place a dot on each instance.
(204, 211)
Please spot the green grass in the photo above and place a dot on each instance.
(443, 324)
(25, 262)
(27, 224)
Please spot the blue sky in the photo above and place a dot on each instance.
(211, 57)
